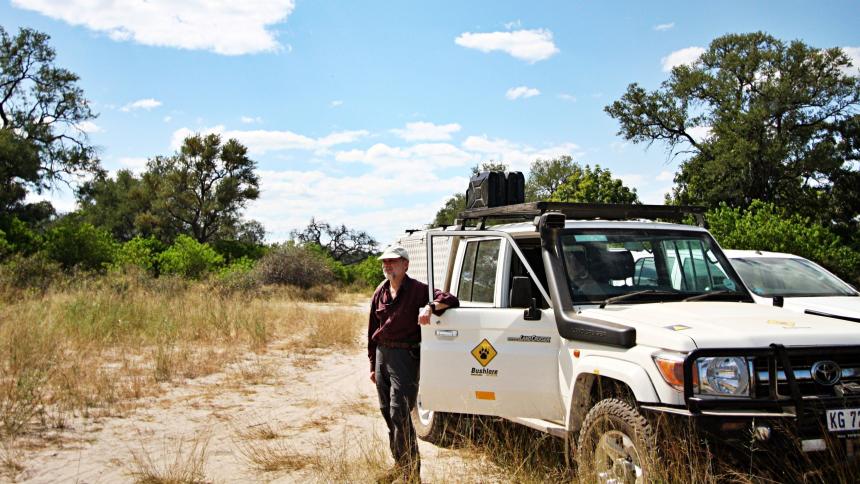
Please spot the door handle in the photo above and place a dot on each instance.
(447, 333)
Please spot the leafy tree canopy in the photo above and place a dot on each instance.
(757, 118)
(198, 192)
(587, 185)
(42, 119)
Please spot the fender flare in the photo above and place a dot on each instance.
(591, 367)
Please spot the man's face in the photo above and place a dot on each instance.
(394, 268)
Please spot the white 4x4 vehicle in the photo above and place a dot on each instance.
(561, 328)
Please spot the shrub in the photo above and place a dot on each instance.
(6, 247)
(237, 277)
(19, 236)
(368, 272)
(30, 272)
(341, 272)
(764, 226)
(233, 250)
(139, 252)
(80, 244)
(294, 265)
(189, 258)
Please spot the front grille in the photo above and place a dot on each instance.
(764, 368)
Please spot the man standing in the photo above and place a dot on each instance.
(398, 306)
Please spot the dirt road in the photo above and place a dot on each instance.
(281, 416)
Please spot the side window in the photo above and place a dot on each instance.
(478, 275)
(646, 272)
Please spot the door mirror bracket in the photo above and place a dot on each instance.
(532, 313)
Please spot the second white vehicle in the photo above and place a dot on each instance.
(796, 283)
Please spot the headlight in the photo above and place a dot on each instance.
(723, 376)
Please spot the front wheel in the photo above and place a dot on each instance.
(615, 444)
(429, 426)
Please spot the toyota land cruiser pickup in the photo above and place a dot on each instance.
(562, 327)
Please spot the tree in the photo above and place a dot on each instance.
(42, 115)
(201, 190)
(584, 185)
(344, 245)
(545, 176)
(457, 203)
(122, 205)
(779, 123)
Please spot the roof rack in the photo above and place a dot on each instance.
(605, 211)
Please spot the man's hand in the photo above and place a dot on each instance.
(373, 376)
(424, 317)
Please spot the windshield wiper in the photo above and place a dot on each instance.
(706, 295)
(622, 297)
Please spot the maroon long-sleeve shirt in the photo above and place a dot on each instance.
(396, 319)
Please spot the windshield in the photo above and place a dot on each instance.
(660, 265)
(783, 276)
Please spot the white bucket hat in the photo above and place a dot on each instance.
(394, 252)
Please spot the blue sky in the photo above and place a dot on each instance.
(371, 113)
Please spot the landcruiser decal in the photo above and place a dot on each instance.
(484, 371)
(677, 327)
(484, 352)
(530, 338)
(786, 324)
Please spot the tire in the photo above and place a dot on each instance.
(429, 426)
(615, 444)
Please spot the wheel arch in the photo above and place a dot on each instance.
(601, 377)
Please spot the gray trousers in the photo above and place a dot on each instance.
(397, 386)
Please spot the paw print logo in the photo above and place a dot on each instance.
(484, 352)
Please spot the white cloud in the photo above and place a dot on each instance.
(665, 175)
(664, 27)
(229, 28)
(137, 165)
(262, 141)
(700, 133)
(516, 156)
(684, 56)
(618, 146)
(410, 159)
(366, 202)
(513, 25)
(521, 92)
(567, 97)
(423, 131)
(632, 180)
(528, 45)
(853, 53)
(89, 127)
(167, 119)
(147, 104)
(250, 119)
(336, 103)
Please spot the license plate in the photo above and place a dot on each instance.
(843, 419)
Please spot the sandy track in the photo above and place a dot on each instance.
(321, 405)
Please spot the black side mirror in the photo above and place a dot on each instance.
(778, 301)
(522, 297)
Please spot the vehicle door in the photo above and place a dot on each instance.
(485, 357)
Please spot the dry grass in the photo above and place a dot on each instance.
(10, 459)
(350, 458)
(177, 463)
(270, 455)
(681, 455)
(94, 347)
